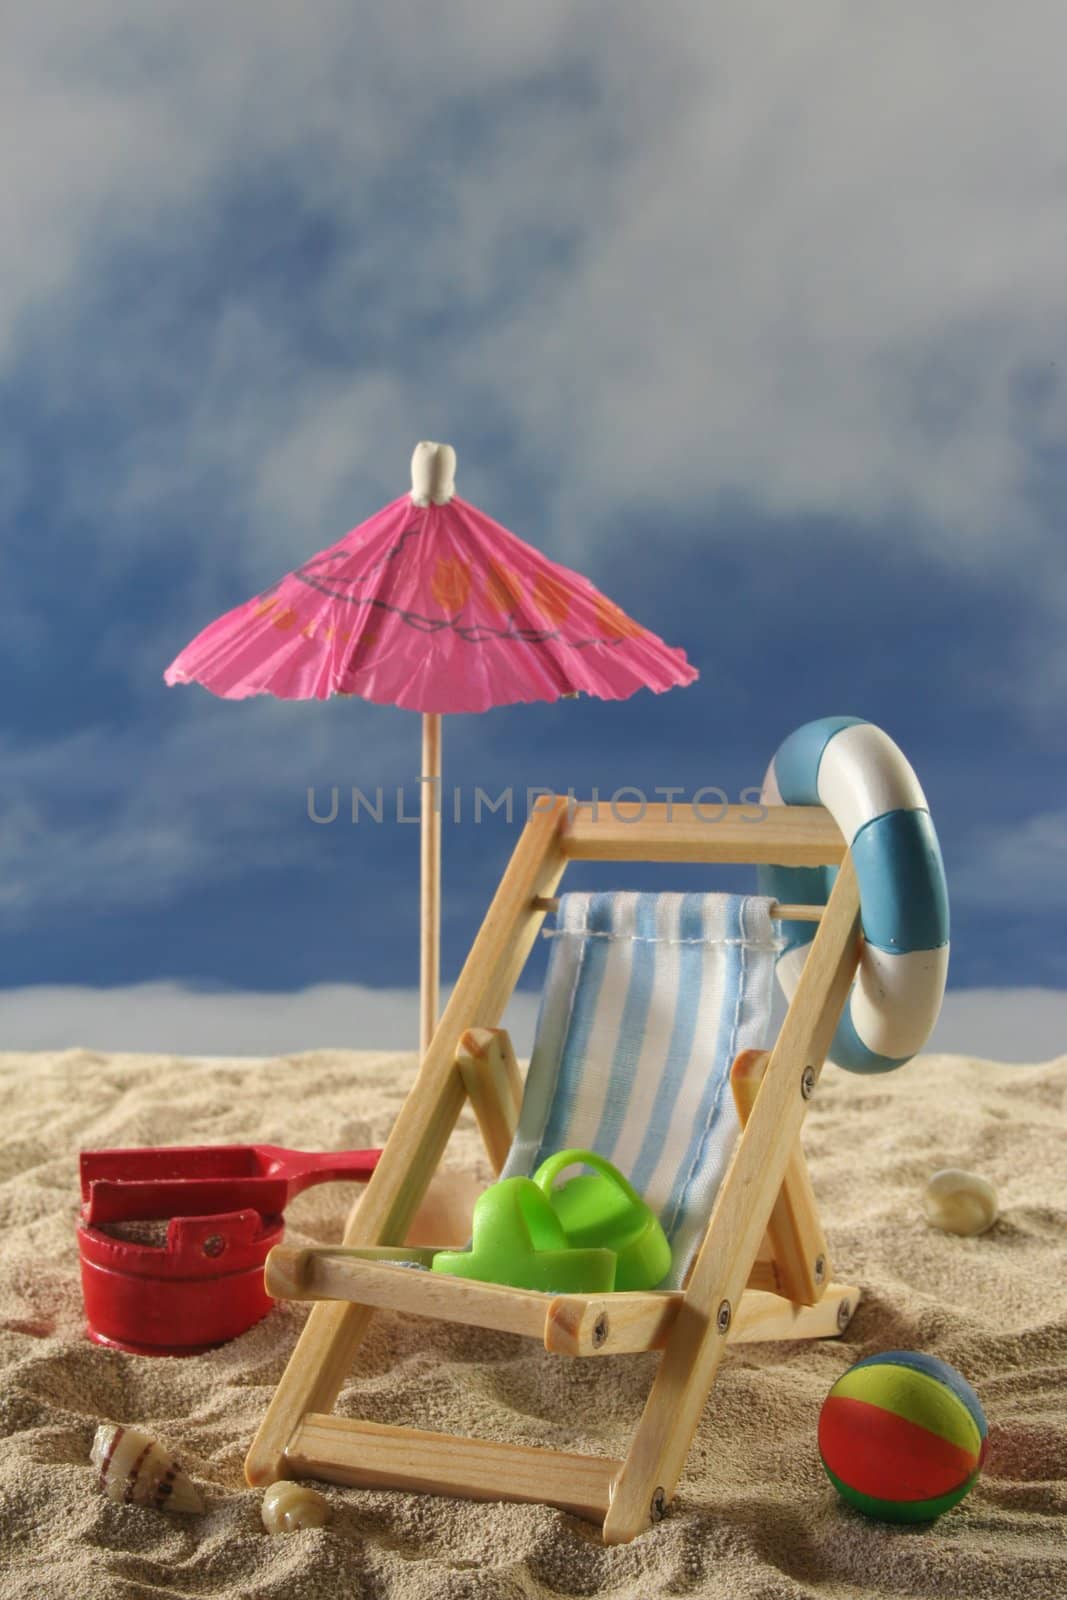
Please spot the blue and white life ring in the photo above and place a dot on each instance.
(868, 786)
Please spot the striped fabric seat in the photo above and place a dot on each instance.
(647, 1000)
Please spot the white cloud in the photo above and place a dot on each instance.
(1003, 1024)
(172, 1017)
(109, 817)
(807, 256)
(1017, 864)
(92, 820)
(1014, 1025)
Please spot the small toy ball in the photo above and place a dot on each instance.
(902, 1436)
(959, 1202)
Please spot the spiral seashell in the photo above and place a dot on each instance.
(288, 1506)
(959, 1202)
(134, 1469)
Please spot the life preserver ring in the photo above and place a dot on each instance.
(868, 786)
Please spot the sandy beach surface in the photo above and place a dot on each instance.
(755, 1517)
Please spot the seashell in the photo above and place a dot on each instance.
(288, 1506)
(135, 1469)
(960, 1202)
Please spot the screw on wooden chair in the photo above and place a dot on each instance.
(722, 1320)
(820, 1268)
(658, 1509)
(844, 1312)
(807, 1082)
(600, 1331)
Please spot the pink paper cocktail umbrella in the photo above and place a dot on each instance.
(433, 606)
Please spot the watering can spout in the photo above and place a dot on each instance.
(433, 473)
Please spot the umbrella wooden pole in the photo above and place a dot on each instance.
(430, 937)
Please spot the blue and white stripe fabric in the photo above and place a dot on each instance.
(866, 783)
(648, 998)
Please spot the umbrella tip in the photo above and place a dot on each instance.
(433, 473)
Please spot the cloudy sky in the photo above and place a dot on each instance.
(756, 314)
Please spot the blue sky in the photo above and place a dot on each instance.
(759, 318)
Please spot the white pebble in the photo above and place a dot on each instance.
(288, 1506)
(959, 1202)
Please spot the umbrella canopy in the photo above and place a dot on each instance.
(433, 606)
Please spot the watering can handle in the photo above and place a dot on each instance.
(549, 1170)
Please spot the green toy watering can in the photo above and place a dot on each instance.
(602, 1208)
(593, 1235)
(517, 1239)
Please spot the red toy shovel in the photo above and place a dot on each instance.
(205, 1180)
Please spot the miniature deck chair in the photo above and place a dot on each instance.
(653, 1005)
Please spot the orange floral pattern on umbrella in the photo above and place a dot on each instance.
(551, 597)
(613, 621)
(503, 589)
(451, 584)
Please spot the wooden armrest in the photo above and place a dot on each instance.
(327, 1273)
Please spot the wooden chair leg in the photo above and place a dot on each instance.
(491, 1077)
(799, 1253)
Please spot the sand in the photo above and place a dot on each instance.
(755, 1517)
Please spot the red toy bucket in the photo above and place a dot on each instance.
(200, 1288)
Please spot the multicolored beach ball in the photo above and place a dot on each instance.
(902, 1436)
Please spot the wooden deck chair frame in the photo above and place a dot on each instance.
(762, 1270)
